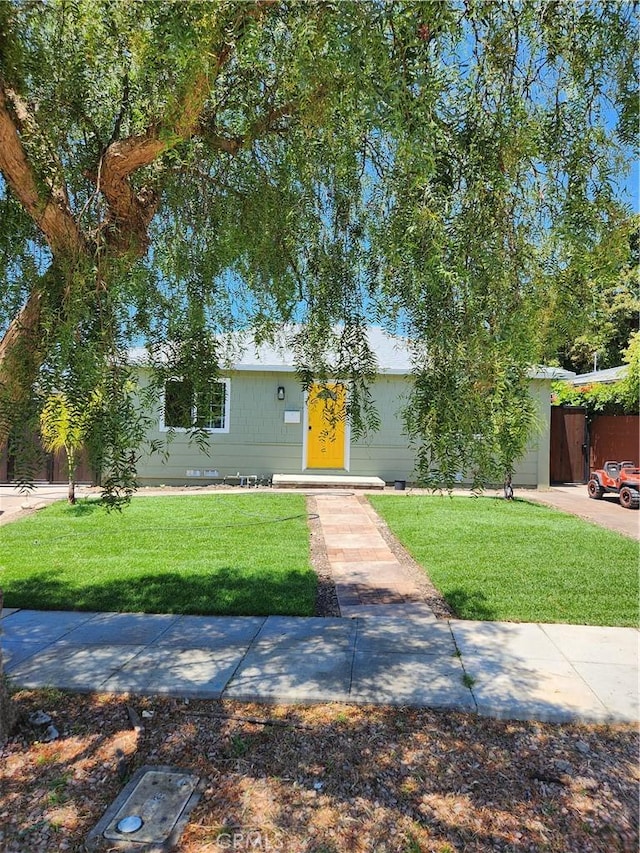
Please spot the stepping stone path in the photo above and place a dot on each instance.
(369, 578)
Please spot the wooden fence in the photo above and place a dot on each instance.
(579, 445)
(614, 437)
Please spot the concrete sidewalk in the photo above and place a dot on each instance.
(516, 671)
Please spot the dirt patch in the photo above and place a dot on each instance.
(326, 596)
(324, 779)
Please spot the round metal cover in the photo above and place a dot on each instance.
(132, 823)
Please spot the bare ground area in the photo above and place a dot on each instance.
(323, 779)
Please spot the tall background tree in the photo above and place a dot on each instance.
(589, 325)
(171, 171)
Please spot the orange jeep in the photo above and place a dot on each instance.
(622, 478)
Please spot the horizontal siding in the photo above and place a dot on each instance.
(260, 443)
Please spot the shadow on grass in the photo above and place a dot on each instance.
(470, 605)
(225, 593)
(84, 507)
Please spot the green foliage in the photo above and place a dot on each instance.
(431, 166)
(614, 398)
(592, 306)
(471, 418)
(64, 425)
(631, 381)
(597, 397)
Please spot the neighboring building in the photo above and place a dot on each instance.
(583, 439)
(262, 423)
(605, 377)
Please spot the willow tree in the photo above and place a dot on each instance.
(172, 171)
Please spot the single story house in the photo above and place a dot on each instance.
(261, 422)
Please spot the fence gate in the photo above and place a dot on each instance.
(45, 467)
(568, 463)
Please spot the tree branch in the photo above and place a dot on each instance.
(48, 207)
(130, 212)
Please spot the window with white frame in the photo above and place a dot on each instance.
(183, 409)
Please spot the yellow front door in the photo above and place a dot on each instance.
(326, 421)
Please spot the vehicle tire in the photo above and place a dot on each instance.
(629, 498)
(595, 490)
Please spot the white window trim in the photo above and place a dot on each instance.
(227, 411)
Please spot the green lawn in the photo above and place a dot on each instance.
(517, 561)
(223, 554)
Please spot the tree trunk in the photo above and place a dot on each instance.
(71, 464)
(7, 708)
(20, 358)
(508, 488)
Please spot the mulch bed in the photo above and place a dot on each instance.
(324, 779)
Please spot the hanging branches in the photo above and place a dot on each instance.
(193, 167)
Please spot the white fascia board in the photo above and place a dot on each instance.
(264, 368)
(290, 368)
(541, 371)
(137, 356)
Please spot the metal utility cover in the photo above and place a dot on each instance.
(161, 797)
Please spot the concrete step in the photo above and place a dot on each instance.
(325, 481)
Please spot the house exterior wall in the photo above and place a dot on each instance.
(533, 469)
(260, 443)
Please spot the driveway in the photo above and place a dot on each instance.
(574, 499)
(14, 503)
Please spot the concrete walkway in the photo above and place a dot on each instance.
(391, 651)
(507, 670)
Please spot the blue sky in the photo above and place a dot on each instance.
(632, 186)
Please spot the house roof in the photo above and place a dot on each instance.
(603, 376)
(392, 354)
(239, 351)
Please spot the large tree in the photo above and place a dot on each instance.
(174, 170)
(170, 171)
(601, 312)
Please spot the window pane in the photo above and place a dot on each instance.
(178, 403)
(211, 407)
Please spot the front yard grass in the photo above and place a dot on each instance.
(208, 554)
(517, 561)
